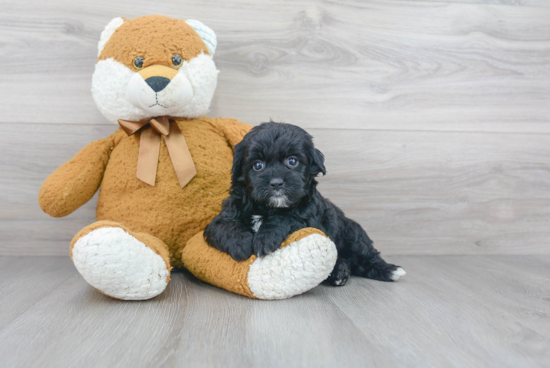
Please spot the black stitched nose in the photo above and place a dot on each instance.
(277, 183)
(157, 84)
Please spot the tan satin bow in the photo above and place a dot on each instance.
(149, 147)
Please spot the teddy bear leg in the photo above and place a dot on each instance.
(304, 260)
(120, 263)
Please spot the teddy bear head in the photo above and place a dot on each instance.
(154, 66)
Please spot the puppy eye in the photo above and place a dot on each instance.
(258, 165)
(138, 62)
(292, 161)
(176, 60)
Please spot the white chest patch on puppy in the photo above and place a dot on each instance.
(256, 222)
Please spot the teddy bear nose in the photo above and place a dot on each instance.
(157, 84)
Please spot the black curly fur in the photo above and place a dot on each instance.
(252, 193)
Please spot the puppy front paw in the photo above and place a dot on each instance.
(238, 245)
(241, 253)
(265, 244)
(240, 248)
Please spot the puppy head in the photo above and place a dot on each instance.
(277, 164)
(153, 66)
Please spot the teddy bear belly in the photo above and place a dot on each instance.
(166, 210)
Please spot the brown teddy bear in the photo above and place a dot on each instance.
(165, 172)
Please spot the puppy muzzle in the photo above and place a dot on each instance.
(278, 199)
(159, 90)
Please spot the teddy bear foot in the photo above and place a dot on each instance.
(121, 264)
(304, 260)
(293, 269)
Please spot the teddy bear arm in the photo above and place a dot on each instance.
(233, 129)
(75, 182)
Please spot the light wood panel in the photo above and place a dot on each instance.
(414, 192)
(442, 192)
(28, 154)
(446, 306)
(448, 311)
(433, 115)
(540, 3)
(384, 64)
(27, 280)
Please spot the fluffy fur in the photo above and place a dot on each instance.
(274, 193)
(120, 265)
(108, 32)
(120, 90)
(188, 95)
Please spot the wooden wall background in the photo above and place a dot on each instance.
(434, 116)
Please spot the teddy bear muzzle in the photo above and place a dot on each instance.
(159, 90)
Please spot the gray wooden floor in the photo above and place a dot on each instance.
(449, 311)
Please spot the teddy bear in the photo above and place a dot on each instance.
(164, 173)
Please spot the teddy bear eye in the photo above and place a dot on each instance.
(176, 60)
(138, 62)
(292, 161)
(258, 165)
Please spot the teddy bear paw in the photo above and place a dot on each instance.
(119, 265)
(293, 269)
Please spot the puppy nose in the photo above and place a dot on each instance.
(157, 84)
(277, 183)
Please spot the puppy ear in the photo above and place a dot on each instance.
(237, 171)
(317, 162)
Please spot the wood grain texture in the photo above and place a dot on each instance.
(451, 311)
(445, 307)
(433, 115)
(414, 192)
(379, 64)
(540, 3)
(442, 192)
(27, 280)
(28, 154)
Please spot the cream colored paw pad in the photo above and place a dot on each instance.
(294, 269)
(119, 265)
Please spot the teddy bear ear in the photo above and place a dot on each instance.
(108, 32)
(207, 35)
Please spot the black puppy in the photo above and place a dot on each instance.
(273, 194)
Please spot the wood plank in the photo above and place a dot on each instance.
(448, 311)
(28, 154)
(414, 192)
(190, 324)
(471, 310)
(445, 193)
(498, 2)
(289, 330)
(541, 3)
(24, 281)
(415, 65)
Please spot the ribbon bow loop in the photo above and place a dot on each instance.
(161, 125)
(149, 148)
